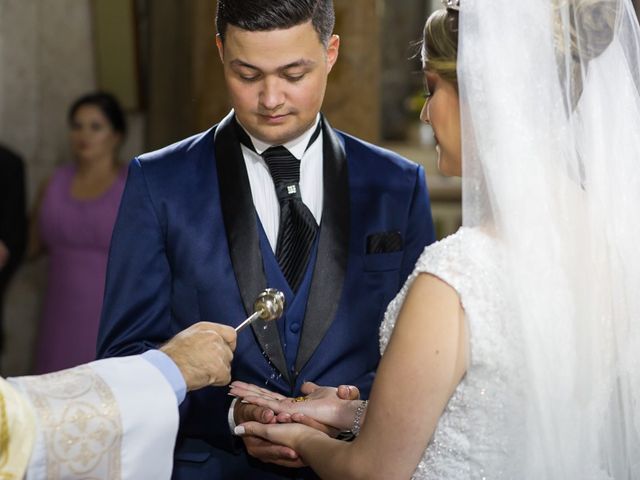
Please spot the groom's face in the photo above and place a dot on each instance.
(277, 79)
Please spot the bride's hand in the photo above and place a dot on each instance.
(285, 434)
(327, 405)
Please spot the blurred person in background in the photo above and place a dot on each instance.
(13, 221)
(72, 223)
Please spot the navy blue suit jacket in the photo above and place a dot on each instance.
(185, 249)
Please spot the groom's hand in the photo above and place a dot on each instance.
(257, 447)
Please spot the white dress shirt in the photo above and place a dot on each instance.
(263, 189)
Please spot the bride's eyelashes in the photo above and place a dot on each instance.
(427, 90)
(430, 82)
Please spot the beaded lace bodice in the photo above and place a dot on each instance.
(472, 438)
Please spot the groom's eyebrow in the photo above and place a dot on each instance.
(303, 62)
(240, 63)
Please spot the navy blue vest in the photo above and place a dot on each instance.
(290, 324)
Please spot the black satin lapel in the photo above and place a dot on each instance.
(240, 224)
(333, 247)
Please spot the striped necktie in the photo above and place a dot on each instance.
(298, 227)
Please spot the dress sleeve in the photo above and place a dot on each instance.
(458, 260)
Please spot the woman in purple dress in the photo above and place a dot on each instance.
(72, 223)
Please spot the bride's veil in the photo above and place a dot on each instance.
(551, 151)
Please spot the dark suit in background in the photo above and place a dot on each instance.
(13, 220)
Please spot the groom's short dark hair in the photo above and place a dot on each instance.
(265, 15)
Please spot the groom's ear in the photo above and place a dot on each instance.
(333, 49)
(220, 45)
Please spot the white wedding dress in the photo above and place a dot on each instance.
(472, 439)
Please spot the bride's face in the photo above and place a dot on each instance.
(442, 111)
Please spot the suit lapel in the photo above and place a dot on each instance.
(240, 224)
(333, 248)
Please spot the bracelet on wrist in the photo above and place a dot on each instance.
(357, 419)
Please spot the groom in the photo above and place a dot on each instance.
(272, 196)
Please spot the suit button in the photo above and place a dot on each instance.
(294, 327)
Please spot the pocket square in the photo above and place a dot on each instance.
(385, 242)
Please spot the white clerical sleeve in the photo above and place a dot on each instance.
(115, 418)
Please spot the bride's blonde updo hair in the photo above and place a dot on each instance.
(440, 44)
(583, 31)
(589, 19)
(591, 25)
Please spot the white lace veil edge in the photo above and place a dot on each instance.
(551, 162)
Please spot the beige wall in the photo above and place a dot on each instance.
(46, 62)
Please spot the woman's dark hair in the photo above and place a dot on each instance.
(107, 104)
(265, 15)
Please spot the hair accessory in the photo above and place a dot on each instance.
(452, 4)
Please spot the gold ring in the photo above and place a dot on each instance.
(299, 399)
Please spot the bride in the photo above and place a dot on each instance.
(511, 351)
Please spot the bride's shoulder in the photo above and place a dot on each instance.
(459, 249)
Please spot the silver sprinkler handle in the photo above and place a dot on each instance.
(268, 306)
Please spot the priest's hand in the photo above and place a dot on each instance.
(203, 353)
